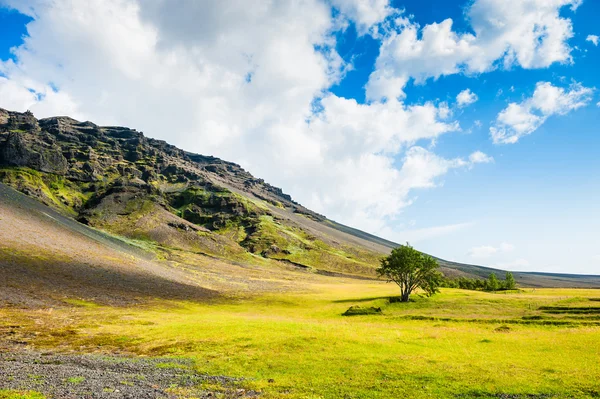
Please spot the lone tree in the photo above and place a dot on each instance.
(411, 269)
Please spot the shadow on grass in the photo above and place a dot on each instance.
(529, 321)
(571, 310)
(375, 298)
(29, 282)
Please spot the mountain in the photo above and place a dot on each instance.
(176, 205)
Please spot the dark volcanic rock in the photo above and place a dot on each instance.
(20, 149)
(58, 144)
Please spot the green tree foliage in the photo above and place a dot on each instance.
(411, 269)
(509, 282)
(481, 285)
(492, 283)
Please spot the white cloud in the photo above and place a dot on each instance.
(486, 251)
(365, 190)
(480, 157)
(365, 13)
(17, 94)
(526, 33)
(248, 84)
(520, 119)
(466, 97)
(593, 38)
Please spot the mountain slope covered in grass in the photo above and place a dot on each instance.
(176, 203)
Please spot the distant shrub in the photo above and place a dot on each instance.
(476, 284)
(360, 311)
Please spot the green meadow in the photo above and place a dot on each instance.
(457, 344)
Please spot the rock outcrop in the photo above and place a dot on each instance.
(85, 152)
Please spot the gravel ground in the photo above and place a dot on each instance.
(94, 376)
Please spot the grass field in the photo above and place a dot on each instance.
(531, 343)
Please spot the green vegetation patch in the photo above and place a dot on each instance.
(360, 311)
(271, 238)
(12, 394)
(51, 189)
(75, 380)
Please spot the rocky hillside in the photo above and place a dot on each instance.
(86, 153)
(176, 203)
(116, 179)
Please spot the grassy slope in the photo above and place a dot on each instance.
(148, 218)
(299, 345)
(245, 236)
(46, 258)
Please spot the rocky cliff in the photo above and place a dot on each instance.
(109, 155)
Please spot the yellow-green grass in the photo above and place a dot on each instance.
(11, 394)
(299, 346)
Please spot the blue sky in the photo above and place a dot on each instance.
(13, 29)
(388, 148)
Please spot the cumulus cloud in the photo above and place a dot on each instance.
(466, 97)
(593, 38)
(19, 94)
(486, 251)
(480, 157)
(521, 119)
(366, 14)
(525, 33)
(248, 84)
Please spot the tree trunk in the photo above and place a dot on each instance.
(405, 296)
